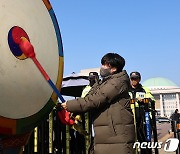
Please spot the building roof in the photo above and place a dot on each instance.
(161, 85)
(159, 82)
(86, 71)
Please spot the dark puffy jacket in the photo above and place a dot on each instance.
(109, 103)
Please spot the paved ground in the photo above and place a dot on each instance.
(162, 129)
(163, 135)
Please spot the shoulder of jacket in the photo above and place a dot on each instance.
(146, 89)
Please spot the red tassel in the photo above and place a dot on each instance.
(64, 117)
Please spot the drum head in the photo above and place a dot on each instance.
(25, 96)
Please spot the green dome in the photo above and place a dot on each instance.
(158, 82)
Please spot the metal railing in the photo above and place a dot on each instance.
(51, 136)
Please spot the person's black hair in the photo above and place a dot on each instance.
(135, 75)
(93, 74)
(114, 60)
(176, 111)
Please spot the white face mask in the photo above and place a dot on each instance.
(104, 72)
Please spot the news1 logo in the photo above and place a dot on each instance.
(170, 145)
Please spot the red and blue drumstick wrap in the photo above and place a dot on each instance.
(28, 50)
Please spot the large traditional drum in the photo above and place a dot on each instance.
(25, 96)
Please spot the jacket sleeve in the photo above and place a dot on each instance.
(104, 95)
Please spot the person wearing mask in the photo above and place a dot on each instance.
(175, 119)
(93, 78)
(89, 139)
(138, 93)
(109, 103)
(176, 116)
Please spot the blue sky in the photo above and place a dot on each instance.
(145, 33)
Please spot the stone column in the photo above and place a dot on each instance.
(177, 100)
(161, 106)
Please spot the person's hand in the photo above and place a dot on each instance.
(64, 106)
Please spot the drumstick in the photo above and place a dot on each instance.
(28, 51)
